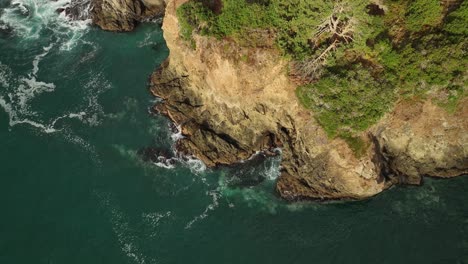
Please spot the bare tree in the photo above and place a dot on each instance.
(336, 29)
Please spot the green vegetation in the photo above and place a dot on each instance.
(423, 13)
(348, 100)
(456, 21)
(193, 15)
(354, 58)
(357, 145)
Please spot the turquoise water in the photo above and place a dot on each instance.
(73, 188)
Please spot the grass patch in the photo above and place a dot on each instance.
(357, 145)
(449, 99)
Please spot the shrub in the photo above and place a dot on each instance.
(348, 100)
(423, 13)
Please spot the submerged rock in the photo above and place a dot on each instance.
(160, 157)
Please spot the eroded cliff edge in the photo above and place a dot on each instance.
(232, 102)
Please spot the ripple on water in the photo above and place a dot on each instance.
(123, 230)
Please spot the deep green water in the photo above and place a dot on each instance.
(74, 190)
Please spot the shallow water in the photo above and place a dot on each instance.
(73, 188)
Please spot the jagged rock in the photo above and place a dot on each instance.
(420, 139)
(124, 15)
(229, 109)
(76, 10)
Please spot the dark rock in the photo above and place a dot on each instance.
(375, 10)
(60, 10)
(247, 173)
(154, 154)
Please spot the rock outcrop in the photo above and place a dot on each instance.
(421, 139)
(124, 15)
(231, 102)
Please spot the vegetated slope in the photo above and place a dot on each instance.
(232, 78)
(351, 59)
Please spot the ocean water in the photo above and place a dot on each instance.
(74, 188)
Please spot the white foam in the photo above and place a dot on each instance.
(153, 220)
(253, 156)
(164, 165)
(5, 75)
(14, 120)
(28, 18)
(178, 135)
(21, 7)
(90, 55)
(122, 229)
(213, 205)
(94, 88)
(195, 165)
(82, 143)
(147, 41)
(272, 169)
(21, 91)
(39, 57)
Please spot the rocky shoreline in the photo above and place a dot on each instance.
(231, 102)
(228, 109)
(114, 15)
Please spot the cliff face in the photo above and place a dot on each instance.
(123, 15)
(231, 102)
(421, 139)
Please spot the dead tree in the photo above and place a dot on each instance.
(336, 29)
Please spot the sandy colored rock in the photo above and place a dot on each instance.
(421, 139)
(231, 102)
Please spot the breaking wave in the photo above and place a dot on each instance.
(29, 19)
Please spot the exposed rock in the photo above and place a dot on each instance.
(228, 109)
(158, 156)
(420, 139)
(154, 154)
(76, 9)
(124, 15)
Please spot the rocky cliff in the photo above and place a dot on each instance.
(114, 15)
(123, 15)
(232, 102)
